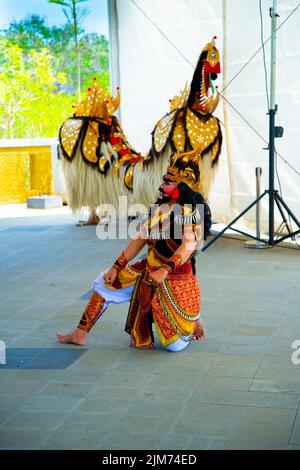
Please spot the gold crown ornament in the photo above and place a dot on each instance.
(98, 104)
(184, 168)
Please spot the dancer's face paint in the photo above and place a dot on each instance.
(168, 190)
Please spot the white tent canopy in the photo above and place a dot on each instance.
(150, 70)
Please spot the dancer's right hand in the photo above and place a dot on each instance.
(110, 276)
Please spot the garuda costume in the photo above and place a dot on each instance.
(100, 165)
(174, 304)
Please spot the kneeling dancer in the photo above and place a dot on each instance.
(162, 288)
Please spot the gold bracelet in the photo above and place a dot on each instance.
(173, 263)
(120, 262)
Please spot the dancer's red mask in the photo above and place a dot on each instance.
(169, 189)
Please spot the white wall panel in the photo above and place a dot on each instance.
(152, 71)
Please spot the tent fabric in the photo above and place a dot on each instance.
(151, 71)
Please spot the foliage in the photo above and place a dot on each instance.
(33, 33)
(31, 104)
(38, 75)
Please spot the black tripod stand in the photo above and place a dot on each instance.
(274, 196)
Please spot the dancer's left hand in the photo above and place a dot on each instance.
(199, 332)
(110, 276)
(157, 277)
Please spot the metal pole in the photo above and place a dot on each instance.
(272, 112)
(257, 243)
(114, 62)
(258, 172)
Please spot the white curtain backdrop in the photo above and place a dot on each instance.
(151, 71)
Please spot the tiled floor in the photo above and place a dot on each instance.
(237, 390)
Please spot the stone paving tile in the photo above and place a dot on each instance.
(73, 440)
(232, 371)
(250, 341)
(245, 349)
(85, 375)
(203, 443)
(252, 319)
(159, 408)
(41, 358)
(9, 337)
(149, 367)
(189, 359)
(13, 402)
(282, 386)
(297, 421)
(238, 444)
(125, 378)
(295, 437)
(34, 421)
(242, 398)
(19, 440)
(167, 392)
(121, 392)
(263, 432)
(174, 442)
(98, 355)
(16, 384)
(241, 360)
(212, 345)
(269, 371)
(51, 403)
(286, 331)
(143, 424)
(204, 427)
(190, 380)
(97, 422)
(5, 416)
(132, 441)
(209, 412)
(7, 375)
(219, 397)
(32, 375)
(79, 390)
(280, 350)
(250, 330)
(263, 415)
(104, 405)
(27, 340)
(275, 400)
(225, 383)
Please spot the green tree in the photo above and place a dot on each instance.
(75, 15)
(33, 32)
(31, 103)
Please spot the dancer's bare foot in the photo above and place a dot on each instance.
(77, 336)
(199, 332)
(92, 220)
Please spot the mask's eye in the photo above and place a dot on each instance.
(213, 55)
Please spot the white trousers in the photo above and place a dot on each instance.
(118, 296)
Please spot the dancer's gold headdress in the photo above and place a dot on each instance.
(184, 168)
